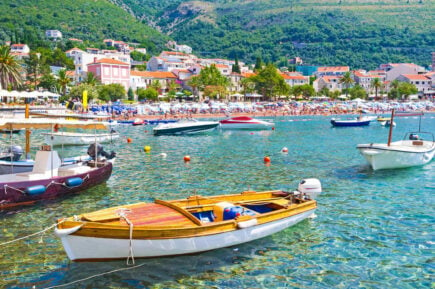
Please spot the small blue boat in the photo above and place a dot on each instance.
(350, 122)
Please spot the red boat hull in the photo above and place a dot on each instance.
(14, 193)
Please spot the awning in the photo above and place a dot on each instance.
(49, 123)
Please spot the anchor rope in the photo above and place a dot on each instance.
(31, 235)
(122, 212)
(96, 275)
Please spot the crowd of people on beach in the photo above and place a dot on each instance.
(211, 109)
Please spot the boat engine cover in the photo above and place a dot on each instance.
(311, 187)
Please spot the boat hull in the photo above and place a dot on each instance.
(241, 125)
(83, 248)
(14, 193)
(65, 138)
(401, 154)
(180, 130)
(7, 167)
(343, 123)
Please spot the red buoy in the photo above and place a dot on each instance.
(129, 140)
(267, 159)
(273, 128)
(284, 150)
(187, 158)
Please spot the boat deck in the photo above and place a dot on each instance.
(141, 214)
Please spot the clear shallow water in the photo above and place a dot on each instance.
(373, 229)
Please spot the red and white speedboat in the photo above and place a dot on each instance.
(245, 122)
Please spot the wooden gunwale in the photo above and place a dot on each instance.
(104, 230)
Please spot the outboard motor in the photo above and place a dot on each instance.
(95, 151)
(15, 153)
(310, 187)
(414, 136)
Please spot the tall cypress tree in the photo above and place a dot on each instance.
(236, 66)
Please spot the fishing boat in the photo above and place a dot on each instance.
(188, 126)
(192, 225)
(78, 138)
(245, 122)
(413, 150)
(11, 162)
(359, 121)
(48, 179)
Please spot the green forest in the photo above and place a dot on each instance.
(358, 33)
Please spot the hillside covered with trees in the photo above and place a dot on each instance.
(359, 33)
(25, 21)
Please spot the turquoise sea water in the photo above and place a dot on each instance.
(374, 229)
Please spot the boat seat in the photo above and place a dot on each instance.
(37, 176)
(417, 143)
(73, 170)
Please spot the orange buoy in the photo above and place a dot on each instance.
(187, 158)
(129, 140)
(284, 150)
(267, 159)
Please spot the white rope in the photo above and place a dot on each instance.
(31, 235)
(122, 212)
(6, 186)
(96, 275)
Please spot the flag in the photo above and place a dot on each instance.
(85, 99)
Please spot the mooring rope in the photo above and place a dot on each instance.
(96, 275)
(122, 212)
(31, 235)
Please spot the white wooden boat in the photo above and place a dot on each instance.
(186, 226)
(78, 138)
(413, 150)
(399, 154)
(245, 122)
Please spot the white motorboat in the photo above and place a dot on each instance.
(189, 126)
(245, 122)
(413, 150)
(77, 138)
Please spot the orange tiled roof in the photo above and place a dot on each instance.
(109, 61)
(70, 72)
(248, 74)
(73, 49)
(221, 66)
(416, 76)
(333, 69)
(153, 74)
(295, 77)
(17, 45)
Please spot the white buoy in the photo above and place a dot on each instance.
(284, 150)
(163, 155)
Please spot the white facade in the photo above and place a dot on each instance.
(20, 48)
(53, 34)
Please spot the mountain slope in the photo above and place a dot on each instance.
(27, 20)
(360, 33)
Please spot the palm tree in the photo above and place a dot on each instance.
(63, 80)
(156, 85)
(347, 80)
(376, 84)
(10, 69)
(91, 79)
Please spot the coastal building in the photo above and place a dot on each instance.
(394, 70)
(83, 58)
(20, 51)
(293, 80)
(53, 34)
(72, 52)
(157, 63)
(422, 82)
(330, 82)
(108, 71)
(365, 79)
(331, 71)
(144, 79)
